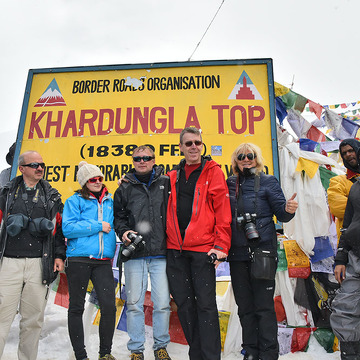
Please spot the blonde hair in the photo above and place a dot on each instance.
(144, 148)
(246, 148)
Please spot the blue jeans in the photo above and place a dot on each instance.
(136, 283)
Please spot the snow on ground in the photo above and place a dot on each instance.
(55, 343)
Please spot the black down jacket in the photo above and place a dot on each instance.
(270, 201)
(142, 208)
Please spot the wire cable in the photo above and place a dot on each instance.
(207, 29)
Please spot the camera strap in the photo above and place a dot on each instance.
(29, 206)
(239, 209)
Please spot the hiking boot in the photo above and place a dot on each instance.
(250, 357)
(107, 357)
(161, 354)
(137, 356)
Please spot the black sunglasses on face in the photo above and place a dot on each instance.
(250, 156)
(143, 158)
(196, 142)
(35, 165)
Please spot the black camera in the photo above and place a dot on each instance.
(212, 258)
(247, 223)
(136, 242)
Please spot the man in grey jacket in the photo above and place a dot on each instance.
(139, 209)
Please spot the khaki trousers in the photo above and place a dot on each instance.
(21, 288)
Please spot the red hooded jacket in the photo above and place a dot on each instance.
(210, 223)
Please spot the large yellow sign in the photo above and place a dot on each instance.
(100, 114)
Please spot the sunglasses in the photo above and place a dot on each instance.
(143, 158)
(250, 156)
(95, 179)
(35, 165)
(190, 143)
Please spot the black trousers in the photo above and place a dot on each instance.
(192, 282)
(100, 273)
(255, 301)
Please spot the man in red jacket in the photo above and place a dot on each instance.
(198, 235)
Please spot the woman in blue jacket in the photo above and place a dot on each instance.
(255, 198)
(88, 226)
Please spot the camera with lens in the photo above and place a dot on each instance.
(212, 258)
(136, 243)
(247, 223)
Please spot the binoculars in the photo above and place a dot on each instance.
(37, 227)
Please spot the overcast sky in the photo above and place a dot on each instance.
(316, 42)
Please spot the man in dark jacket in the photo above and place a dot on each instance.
(345, 318)
(197, 227)
(32, 251)
(140, 208)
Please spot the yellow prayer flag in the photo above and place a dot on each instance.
(310, 167)
(119, 308)
(90, 287)
(97, 318)
(294, 255)
(280, 89)
(221, 287)
(224, 322)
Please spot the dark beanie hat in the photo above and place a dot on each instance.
(10, 154)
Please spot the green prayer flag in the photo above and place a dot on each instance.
(300, 103)
(325, 176)
(289, 99)
(325, 338)
(282, 262)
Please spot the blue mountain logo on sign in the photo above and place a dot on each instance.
(245, 89)
(51, 96)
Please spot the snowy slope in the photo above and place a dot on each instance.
(55, 343)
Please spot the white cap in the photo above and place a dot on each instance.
(87, 171)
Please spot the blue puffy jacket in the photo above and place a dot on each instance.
(270, 201)
(82, 225)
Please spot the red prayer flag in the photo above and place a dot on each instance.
(315, 134)
(300, 339)
(315, 108)
(175, 330)
(279, 309)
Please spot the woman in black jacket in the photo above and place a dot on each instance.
(255, 198)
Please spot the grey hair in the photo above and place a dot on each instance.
(191, 130)
(21, 160)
